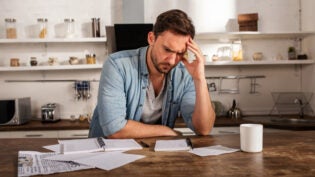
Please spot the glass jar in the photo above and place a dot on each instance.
(42, 25)
(90, 59)
(14, 62)
(33, 61)
(69, 27)
(237, 51)
(10, 25)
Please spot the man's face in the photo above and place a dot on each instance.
(167, 51)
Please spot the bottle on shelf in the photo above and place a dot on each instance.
(96, 27)
(42, 25)
(10, 24)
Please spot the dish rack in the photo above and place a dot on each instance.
(234, 89)
(291, 103)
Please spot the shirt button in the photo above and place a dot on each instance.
(140, 105)
(143, 87)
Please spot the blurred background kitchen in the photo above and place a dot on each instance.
(251, 68)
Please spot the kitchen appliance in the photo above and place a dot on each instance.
(15, 111)
(131, 36)
(234, 112)
(50, 112)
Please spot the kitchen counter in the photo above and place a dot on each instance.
(284, 154)
(34, 125)
(228, 122)
(66, 124)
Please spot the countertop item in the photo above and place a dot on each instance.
(281, 156)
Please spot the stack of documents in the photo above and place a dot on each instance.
(97, 144)
(101, 153)
(172, 145)
(212, 150)
(106, 154)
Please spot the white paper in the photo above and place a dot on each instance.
(34, 163)
(171, 145)
(121, 144)
(109, 160)
(54, 147)
(79, 145)
(71, 157)
(212, 150)
(91, 145)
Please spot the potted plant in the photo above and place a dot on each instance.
(291, 53)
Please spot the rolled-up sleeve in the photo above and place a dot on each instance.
(111, 107)
(188, 103)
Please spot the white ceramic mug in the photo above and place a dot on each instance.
(251, 137)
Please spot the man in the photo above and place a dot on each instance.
(141, 91)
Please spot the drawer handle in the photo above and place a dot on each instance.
(34, 135)
(80, 135)
(226, 131)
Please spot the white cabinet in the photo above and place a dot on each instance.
(28, 134)
(236, 130)
(260, 36)
(73, 133)
(45, 134)
(225, 130)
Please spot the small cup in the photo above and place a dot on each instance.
(52, 61)
(73, 60)
(251, 137)
(14, 62)
(257, 56)
(72, 118)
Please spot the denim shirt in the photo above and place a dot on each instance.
(122, 91)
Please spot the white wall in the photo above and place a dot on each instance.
(274, 16)
(212, 16)
(308, 24)
(26, 13)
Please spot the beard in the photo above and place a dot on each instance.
(162, 68)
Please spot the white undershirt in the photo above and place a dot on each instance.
(152, 107)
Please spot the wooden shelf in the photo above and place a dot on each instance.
(53, 40)
(262, 62)
(55, 67)
(252, 35)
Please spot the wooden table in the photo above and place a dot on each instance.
(284, 154)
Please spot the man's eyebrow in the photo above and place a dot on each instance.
(170, 50)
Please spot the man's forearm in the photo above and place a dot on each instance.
(134, 129)
(203, 116)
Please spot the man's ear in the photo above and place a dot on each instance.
(151, 38)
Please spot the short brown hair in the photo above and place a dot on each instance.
(176, 21)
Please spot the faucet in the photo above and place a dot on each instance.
(300, 102)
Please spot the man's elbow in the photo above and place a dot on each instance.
(203, 133)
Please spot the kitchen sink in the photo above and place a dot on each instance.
(289, 122)
(293, 120)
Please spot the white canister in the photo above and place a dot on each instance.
(251, 137)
